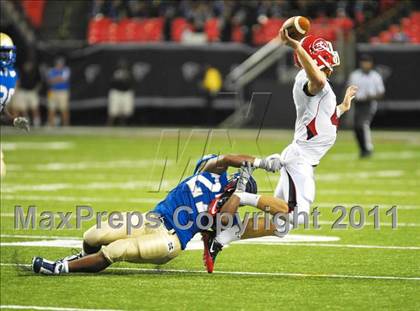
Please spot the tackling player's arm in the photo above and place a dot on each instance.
(222, 163)
(317, 78)
(218, 165)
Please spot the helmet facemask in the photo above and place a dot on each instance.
(7, 56)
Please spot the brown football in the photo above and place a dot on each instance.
(297, 27)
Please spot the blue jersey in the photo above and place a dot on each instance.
(63, 73)
(191, 197)
(8, 77)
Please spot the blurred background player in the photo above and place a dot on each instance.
(27, 93)
(8, 77)
(370, 89)
(121, 95)
(58, 79)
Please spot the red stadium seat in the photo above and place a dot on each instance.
(415, 40)
(237, 34)
(34, 9)
(123, 33)
(98, 30)
(345, 23)
(153, 28)
(265, 32)
(258, 37)
(385, 37)
(406, 24)
(393, 29)
(415, 15)
(137, 31)
(272, 27)
(211, 28)
(179, 25)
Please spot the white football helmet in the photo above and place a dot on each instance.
(7, 50)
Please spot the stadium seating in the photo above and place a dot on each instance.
(99, 30)
(179, 25)
(408, 26)
(34, 10)
(237, 34)
(211, 28)
(266, 31)
(103, 29)
(327, 28)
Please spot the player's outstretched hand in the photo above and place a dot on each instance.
(284, 37)
(21, 123)
(348, 97)
(245, 173)
(271, 164)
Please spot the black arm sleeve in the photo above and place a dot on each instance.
(306, 91)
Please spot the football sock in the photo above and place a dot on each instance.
(247, 198)
(61, 267)
(229, 235)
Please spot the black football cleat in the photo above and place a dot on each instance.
(211, 249)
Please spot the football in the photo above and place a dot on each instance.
(297, 27)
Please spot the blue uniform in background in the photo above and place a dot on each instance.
(195, 192)
(64, 73)
(8, 78)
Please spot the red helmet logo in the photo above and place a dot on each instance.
(319, 45)
(321, 51)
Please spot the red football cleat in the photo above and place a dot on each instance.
(211, 249)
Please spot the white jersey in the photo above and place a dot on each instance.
(368, 84)
(316, 120)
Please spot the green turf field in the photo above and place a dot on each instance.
(122, 170)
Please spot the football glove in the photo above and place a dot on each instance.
(245, 173)
(21, 123)
(272, 163)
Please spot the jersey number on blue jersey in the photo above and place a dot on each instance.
(5, 94)
(196, 185)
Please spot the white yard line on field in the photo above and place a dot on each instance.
(359, 175)
(90, 186)
(24, 145)
(27, 236)
(370, 192)
(83, 165)
(384, 206)
(416, 248)
(77, 199)
(289, 240)
(391, 155)
(252, 273)
(19, 307)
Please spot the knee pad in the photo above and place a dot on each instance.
(121, 250)
(95, 236)
(158, 248)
